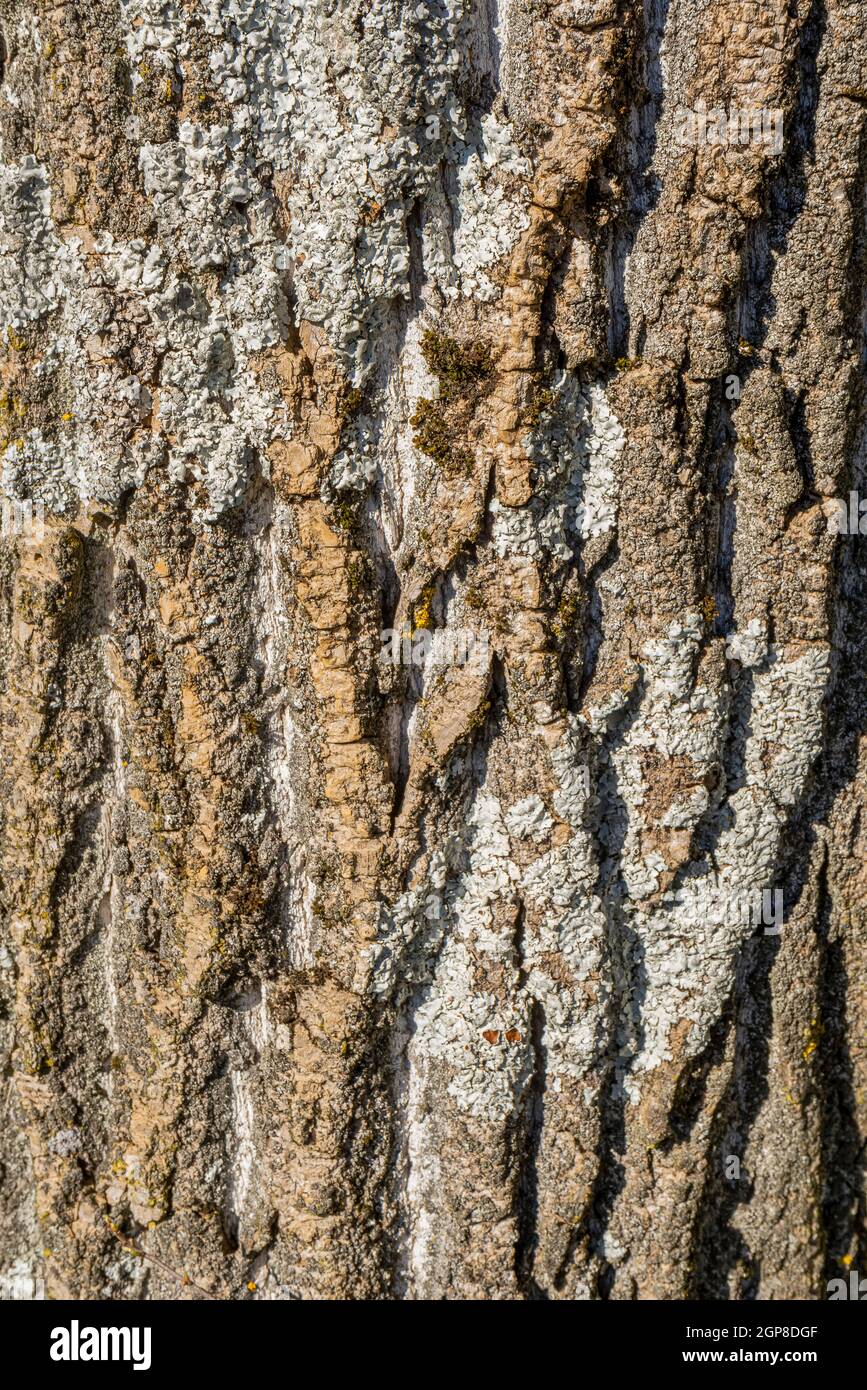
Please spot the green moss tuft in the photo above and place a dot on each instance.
(435, 436)
(458, 368)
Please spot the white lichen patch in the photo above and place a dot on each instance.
(357, 145)
(455, 918)
(214, 416)
(29, 286)
(361, 107)
(153, 34)
(749, 646)
(528, 819)
(21, 1283)
(687, 945)
(574, 449)
(490, 210)
(23, 48)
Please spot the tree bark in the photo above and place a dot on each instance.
(433, 707)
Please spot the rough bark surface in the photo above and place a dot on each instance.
(325, 975)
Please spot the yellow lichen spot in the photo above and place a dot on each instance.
(709, 608)
(46, 1254)
(168, 89)
(847, 1260)
(813, 1036)
(251, 1285)
(421, 615)
(67, 415)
